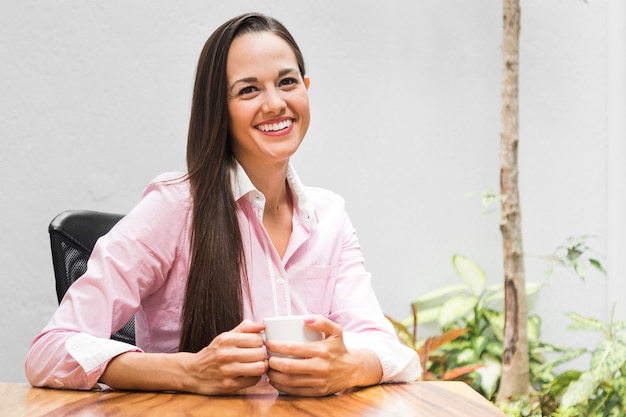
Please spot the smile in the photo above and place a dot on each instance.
(275, 127)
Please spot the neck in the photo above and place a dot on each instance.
(272, 182)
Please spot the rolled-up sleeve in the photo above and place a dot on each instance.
(357, 309)
(129, 263)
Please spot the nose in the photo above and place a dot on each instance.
(274, 102)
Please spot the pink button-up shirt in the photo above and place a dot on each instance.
(140, 268)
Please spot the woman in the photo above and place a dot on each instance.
(206, 255)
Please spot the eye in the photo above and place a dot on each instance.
(246, 91)
(288, 81)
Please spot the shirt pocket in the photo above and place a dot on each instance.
(320, 288)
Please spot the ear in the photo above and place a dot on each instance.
(307, 82)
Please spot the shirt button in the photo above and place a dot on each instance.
(280, 281)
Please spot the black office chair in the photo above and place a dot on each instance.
(73, 235)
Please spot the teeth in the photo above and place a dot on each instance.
(274, 127)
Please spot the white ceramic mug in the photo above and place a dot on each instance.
(290, 329)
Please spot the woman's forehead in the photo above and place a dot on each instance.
(256, 52)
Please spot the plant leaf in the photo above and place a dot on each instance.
(439, 295)
(566, 357)
(466, 356)
(619, 386)
(562, 382)
(471, 273)
(428, 315)
(586, 323)
(533, 329)
(446, 337)
(619, 326)
(479, 343)
(494, 348)
(455, 308)
(579, 390)
(453, 374)
(597, 265)
(496, 323)
(424, 353)
(496, 292)
(403, 332)
(490, 376)
(607, 359)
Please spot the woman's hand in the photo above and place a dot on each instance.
(232, 361)
(323, 367)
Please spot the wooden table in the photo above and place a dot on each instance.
(424, 399)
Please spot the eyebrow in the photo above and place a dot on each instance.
(281, 73)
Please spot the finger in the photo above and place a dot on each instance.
(296, 350)
(231, 385)
(242, 340)
(248, 326)
(324, 325)
(247, 340)
(289, 366)
(291, 380)
(225, 355)
(236, 370)
(300, 386)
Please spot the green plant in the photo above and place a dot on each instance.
(471, 305)
(476, 308)
(470, 318)
(601, 390)
(575, 254)
(434, 365)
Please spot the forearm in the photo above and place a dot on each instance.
(232, 361)
(147, 372)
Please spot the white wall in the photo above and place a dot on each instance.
(94, 102)
(616, 168)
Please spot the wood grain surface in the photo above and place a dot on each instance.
(424, 399)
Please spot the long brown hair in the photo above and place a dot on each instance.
(214, 295)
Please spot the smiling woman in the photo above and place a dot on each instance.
(268, 102)
(208, 254)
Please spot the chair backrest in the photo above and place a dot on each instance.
(73, 235)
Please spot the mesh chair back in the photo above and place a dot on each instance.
(73, 235)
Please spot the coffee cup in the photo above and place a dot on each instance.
(290, 329)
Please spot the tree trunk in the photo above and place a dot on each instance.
(515, 368)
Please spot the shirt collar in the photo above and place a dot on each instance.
(242, 186)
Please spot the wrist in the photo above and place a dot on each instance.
(369, 369)
(185, 373)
